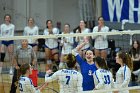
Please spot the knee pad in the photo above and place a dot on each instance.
(2, 57)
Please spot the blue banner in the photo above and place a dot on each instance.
(118, 10)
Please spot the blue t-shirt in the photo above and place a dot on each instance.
(87, 71)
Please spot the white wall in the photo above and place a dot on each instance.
(67, 11)
(6, 7)
(64, 11)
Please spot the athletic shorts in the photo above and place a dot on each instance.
(7, 43)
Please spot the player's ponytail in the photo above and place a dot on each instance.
(70, 60)
(101, 62)
(126, 59)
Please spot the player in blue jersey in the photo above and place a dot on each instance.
(87, 67)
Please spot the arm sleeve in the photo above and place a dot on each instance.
(25, 32)
(13, 30)
(78, 57)
(29, 87)
(100, 79)
(79, 83)
(127, 76)
(53, 77)
(37, 31)
(94, 30)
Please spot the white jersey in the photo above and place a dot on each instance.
(51, 42)
(123, 77)
(67, 44)
(100, 40)
(81, 39)
(26, 85)
(7, 30)
(103, 79)
(70, 81)
(28, 31)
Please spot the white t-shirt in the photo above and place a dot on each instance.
(26, 86)
(123, 77)
(7, 30)
(100, 40)
(70, 81)
(51, 42)
(28, 31)
(81, 39)
(68, 45)
(103, 79)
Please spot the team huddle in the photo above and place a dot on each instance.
(93, 72)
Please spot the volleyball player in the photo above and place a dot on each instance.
(23, 54)
(70, 80)
(67, 45)
(101, 43)
(83, 30)
(103, 78)
(87, 67)
(51, 44)
(25, 83)
(31, 30)
(123, 75)
(7, 30)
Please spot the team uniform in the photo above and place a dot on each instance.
(100, 40)
(81, 39)
(28, 31)
(87, 71)
(123, 77)
(26, 85)
(7, 31)
(51, 43)
(70, 81)
(103, 79)
(68, 45)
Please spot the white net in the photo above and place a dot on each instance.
(116, 39)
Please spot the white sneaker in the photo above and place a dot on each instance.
(137, 72)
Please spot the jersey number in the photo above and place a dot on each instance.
(107, 79)
(68, 79)
(20, 87)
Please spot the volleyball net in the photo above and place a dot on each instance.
(117, 40)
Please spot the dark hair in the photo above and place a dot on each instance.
(70, 60)
(79, 29)
(9, 17)
(126, 59)
(24, 68)
(133, 50)
(101, 62)
(100, 17)
(32, 19)
(47, 23)
(67, 24)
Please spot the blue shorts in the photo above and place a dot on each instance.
(86, 49)
(45, 46)
(32, 45)
(101, 49)
(7, 43)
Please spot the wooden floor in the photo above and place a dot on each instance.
(5, 83)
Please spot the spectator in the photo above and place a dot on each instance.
(101, 43)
